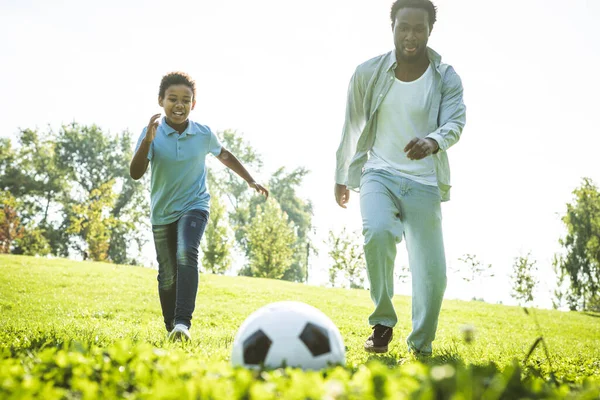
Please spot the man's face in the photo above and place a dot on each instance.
(177, 103)
(411, 32)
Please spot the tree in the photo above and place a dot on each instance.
(31, 174)
(10, 223)
(523, 280)
(224, 180)
(93, 221)
(403, 274)
(52, 172)
(270, 239)
(581, 262)
(91, 159)
(346, 252)
(32, 243)
(474, 269)
(562, 293)
(216, 246)
(242, 204)
(283, 187)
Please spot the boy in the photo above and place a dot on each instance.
(176, 148)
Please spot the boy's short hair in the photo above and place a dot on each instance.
(176, 78)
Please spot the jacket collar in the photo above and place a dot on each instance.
(434, 58)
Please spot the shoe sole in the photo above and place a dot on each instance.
(179, 337)
(382, 349)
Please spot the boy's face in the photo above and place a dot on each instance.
(177, 103)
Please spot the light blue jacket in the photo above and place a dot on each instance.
(368, 87)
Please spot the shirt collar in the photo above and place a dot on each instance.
(169, 130)
(434, 58)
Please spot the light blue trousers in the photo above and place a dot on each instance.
(393, 206)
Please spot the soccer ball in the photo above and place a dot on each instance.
(288, 333)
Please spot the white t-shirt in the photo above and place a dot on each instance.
(401, 117)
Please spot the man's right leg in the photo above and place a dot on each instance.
(382, 229)
(165, 243)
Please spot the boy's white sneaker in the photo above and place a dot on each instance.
(180, 333)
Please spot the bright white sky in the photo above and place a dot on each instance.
(278, 72)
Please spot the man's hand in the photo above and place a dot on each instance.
(417, 149)
(259, 188)
(151, 130)
(342, 195)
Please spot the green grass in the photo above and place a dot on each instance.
(89, 330)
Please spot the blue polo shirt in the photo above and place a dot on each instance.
(177, 161)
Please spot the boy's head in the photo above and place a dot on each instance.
(177, 96)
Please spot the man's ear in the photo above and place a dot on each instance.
(160, 101)
(193, 104)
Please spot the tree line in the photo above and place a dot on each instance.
(69, 193)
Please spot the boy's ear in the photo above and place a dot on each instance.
(160, 101)
(193, 104)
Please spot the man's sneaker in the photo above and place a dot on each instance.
(180, 333)
(380, 339)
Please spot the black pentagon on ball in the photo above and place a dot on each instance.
(316, 339)
(256, 347)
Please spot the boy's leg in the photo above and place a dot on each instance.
(425, 245)
(165, 243)
(382, 230)
(190, 229)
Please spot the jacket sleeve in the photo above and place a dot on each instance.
(354, 124)
(452, 115)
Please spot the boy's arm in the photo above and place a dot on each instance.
(231, 162)
(139, 163)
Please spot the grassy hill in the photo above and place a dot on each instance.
(87, 330)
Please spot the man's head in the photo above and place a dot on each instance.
(177, 96)
(412, 22)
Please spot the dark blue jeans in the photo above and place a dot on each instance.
(177, 253)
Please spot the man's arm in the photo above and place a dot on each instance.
(354, 123)
(231, 162)
(452, 116)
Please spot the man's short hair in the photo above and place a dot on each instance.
(426, 5)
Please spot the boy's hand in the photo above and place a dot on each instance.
(259, 188)
(151, 130)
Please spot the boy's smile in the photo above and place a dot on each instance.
(177, 103)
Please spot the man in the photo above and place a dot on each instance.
(405, 109)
